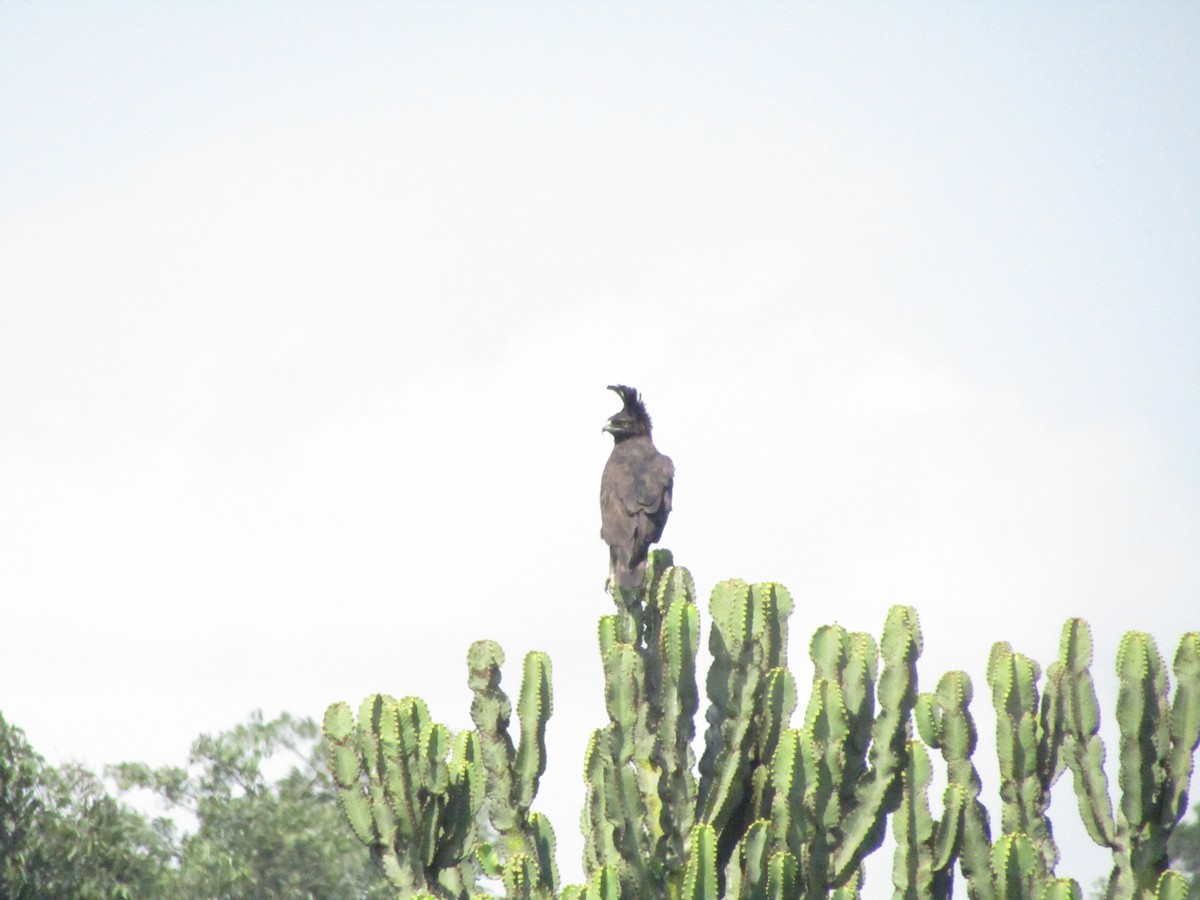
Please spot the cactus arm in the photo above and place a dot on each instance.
(746, 640)
(857, 682)
(729, 610)
(635, 797)
(1016, 867)
(1052, 727)
(913, 826)
(520, 878)
(747, 872)
(783, 878)
(512, 775)
(825, 725)
(599, 823)
(345, 765)
(1084, 749)
(535, 706)
(1143, 719)
(1171, 886)
(544, 846)
(928, 716)
(491, 711)
(609, 633)
(674, 758)
(878, 791)
(1062, 889)
(605, 884)
(1185, 727)
(1024, 790)
(948, 836)
(623, 803)
(776, 604)
(794, 776)
(466, 791)
(413, 809)
(958, 738)
(779, 704)
(700, 878)
(923, 863)
(1141, 706)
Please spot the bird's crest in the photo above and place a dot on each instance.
(633, 402)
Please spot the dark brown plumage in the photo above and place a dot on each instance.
(635, 493)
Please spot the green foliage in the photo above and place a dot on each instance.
(64, 835)
(775, 809)
(256, 838)
(20, 775)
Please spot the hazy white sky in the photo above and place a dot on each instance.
(306, 315)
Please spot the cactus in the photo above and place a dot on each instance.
(925, 847)
(641, 789)
(774, 810)
(877, 791)
(748, 641)
(1028, 749)
(411, 807)
(1158, 740)
(416, 809)
(700, 877)
(944, 723)
(1171, 886)
(1083, 749)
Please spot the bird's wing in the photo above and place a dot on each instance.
(665, 474)
(635, 497)
(651, 484)
(616, 522)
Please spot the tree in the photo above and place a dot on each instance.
(63, 835)
(20, 774)
(257, 838)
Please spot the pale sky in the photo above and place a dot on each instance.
(306, 314)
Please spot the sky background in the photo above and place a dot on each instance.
(306, 315)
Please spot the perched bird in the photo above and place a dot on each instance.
(635, 493)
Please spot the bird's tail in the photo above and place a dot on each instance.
(631, 577)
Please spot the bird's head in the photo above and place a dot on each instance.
(632, 420)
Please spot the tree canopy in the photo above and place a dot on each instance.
(251, 815)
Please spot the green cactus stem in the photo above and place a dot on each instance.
(877, 792)
(945, 723)
(413, 807)
(1023, 745)
(772, 811)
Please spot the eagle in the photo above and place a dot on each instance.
(635, 493)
